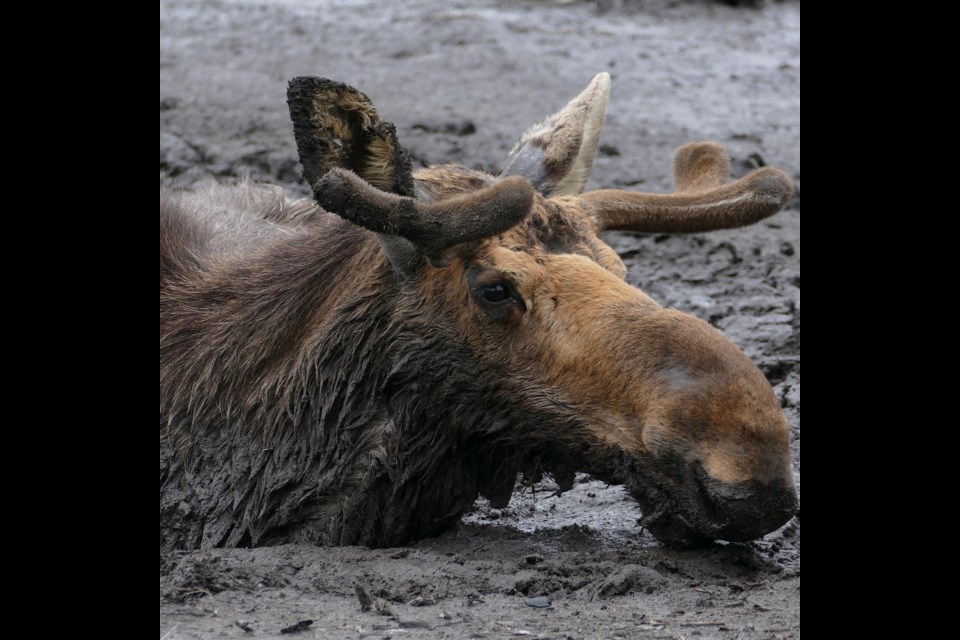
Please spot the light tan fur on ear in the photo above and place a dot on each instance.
(557, 154)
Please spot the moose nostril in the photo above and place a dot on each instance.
(748, 510)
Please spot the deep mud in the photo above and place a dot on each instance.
(462, 80)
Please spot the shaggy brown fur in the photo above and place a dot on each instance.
(332, 383)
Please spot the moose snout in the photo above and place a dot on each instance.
(748, 510)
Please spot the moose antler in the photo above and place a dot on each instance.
(338, 132)
(430, 227)
(701, 201)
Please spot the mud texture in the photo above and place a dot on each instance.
(462, 80)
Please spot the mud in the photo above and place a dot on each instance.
(462, 80)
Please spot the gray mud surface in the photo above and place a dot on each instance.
(462, 80)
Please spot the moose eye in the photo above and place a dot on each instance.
(497, 293)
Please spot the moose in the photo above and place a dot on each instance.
(359, 367)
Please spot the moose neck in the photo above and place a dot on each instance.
(364, 447)
(381, 428)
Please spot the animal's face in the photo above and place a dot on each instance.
(599, 377)
(614, 384)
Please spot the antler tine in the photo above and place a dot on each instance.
(701, 202)
(432, 227)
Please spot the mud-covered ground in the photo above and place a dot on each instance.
(462, 80)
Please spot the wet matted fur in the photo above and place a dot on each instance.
(358, 372)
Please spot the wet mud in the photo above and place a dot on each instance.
(462, 80)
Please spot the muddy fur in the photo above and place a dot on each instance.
(286, 436)
(681, 72)
(315, 388)
(337, 126)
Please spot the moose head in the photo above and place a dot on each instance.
(561, 364)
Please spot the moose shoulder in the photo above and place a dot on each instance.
(358, 368)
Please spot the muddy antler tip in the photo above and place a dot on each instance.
(515, 195)
(336, 187)
(700, 165)
(772, 185)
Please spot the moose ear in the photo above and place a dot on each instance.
(337, 126)
(556, 156)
